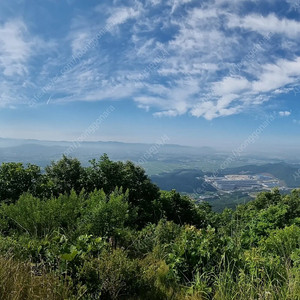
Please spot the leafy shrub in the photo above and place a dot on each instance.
(282, 242)
(37, 217)
(194, 251)
(105, 216)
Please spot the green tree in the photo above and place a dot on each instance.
(65, 175)
(107, 175)
(182, 209)
(15, 179)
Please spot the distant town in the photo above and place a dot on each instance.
(230, 183)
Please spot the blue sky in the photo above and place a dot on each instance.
(201, 72)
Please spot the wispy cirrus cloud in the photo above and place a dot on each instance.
(16, 47)
(216, 63)
(265, 24)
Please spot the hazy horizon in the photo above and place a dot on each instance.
(246, 148)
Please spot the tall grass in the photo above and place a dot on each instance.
(227, 286)
(22, 281)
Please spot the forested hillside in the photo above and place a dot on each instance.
(107, 232)
(185, 180)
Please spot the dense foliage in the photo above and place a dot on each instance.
(107, 232)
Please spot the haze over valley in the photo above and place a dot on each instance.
(205, 174)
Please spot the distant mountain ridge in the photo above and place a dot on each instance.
(7, 142)
(42, 152)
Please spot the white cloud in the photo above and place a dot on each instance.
(80, 39)
(121, 15)
(230, 85)
(176, 3)
(265, 25)
(166, 113)
(84, 32)
(284, 113)
(213, 109)
(18, 48)
(154, 2)
(278, 75)
(15, 48)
